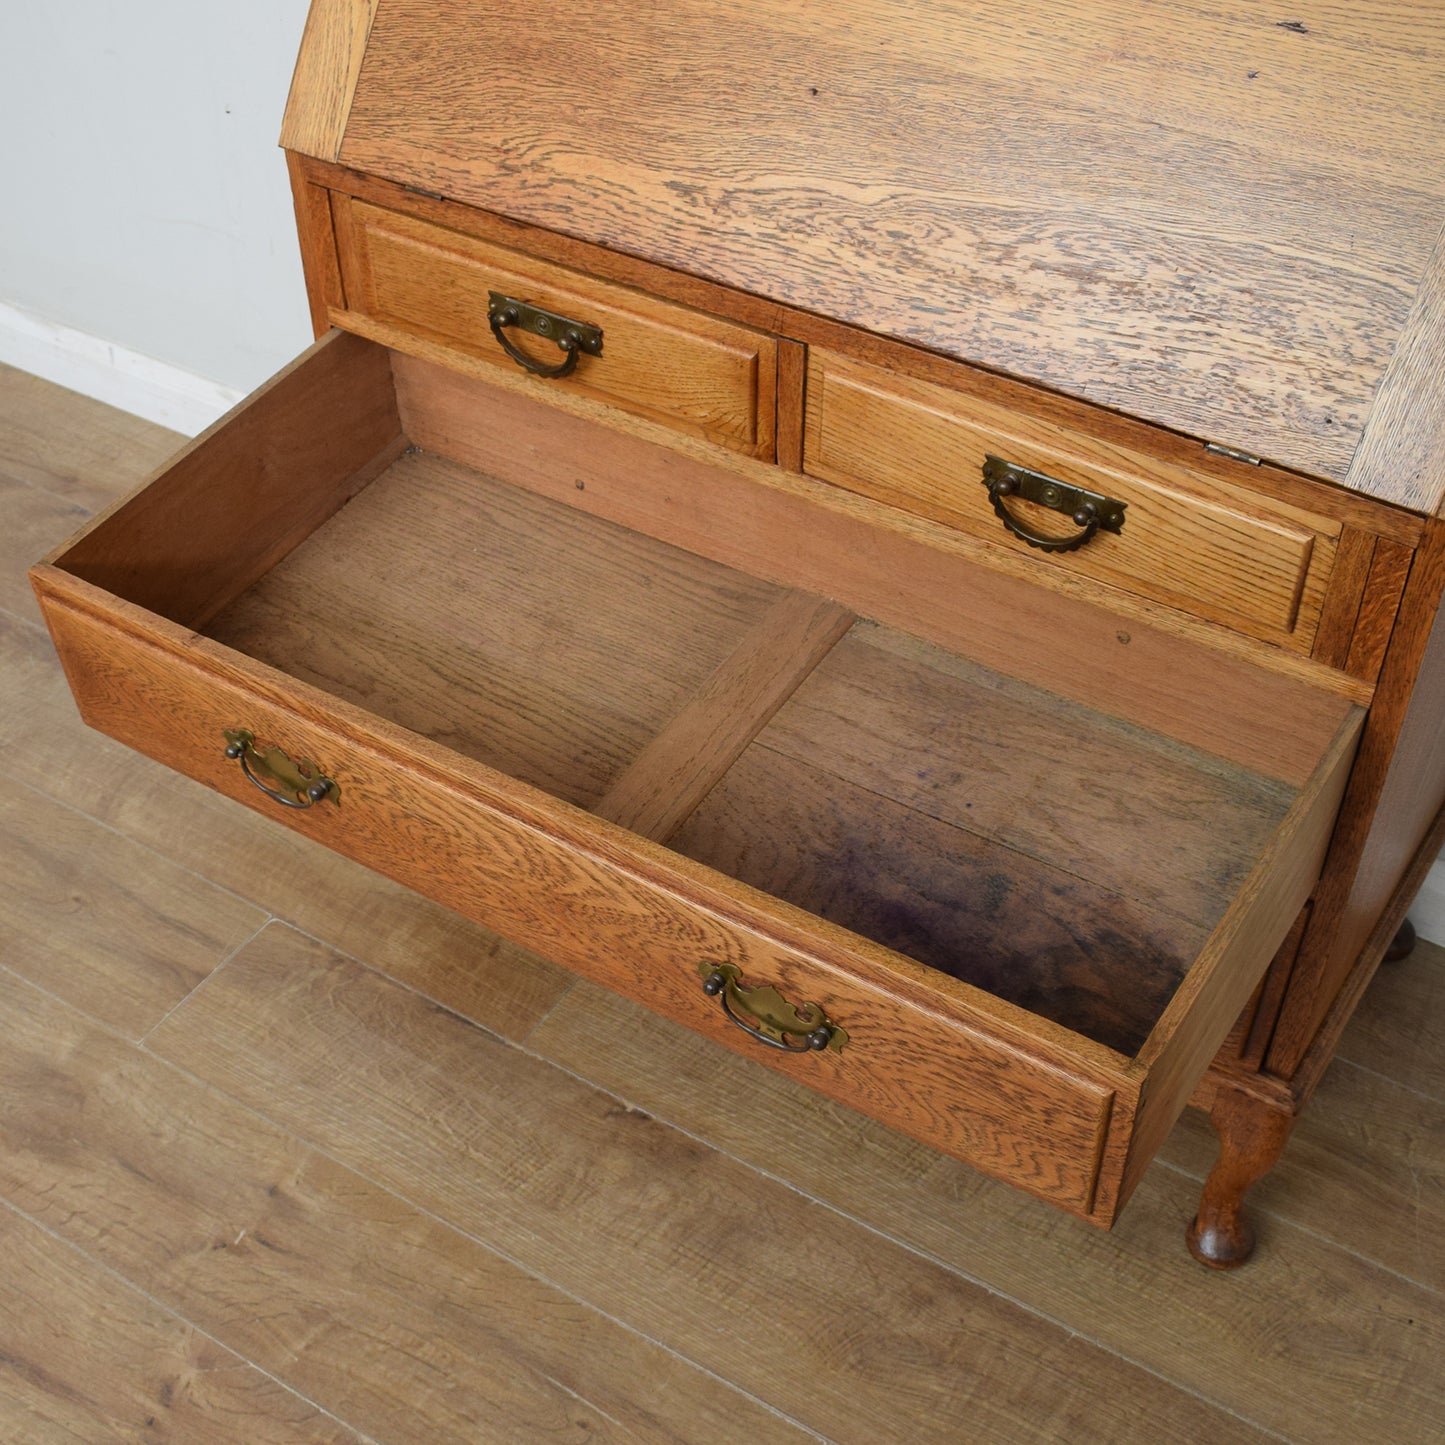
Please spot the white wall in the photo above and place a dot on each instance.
(143, 199)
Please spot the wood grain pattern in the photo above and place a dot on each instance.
(1265, 1345)
(122, 1367)
(252, 487)
(314, 230)
(518, 632)
(1401, 456)
(1007, 1089)
(99, 921)
(464, 967)
(1215, 551)
(1060, 946)
(393, 1319)
(1202, 685)
(1395, 794)
(1124, 809)
(1231, 964)
(333, 46)
(1351, 571)
(1379, 609)
(1214, 255)
(792, 385)
(651, 1226)
(815, 329)
(682, 763)
(709, 376)
(81, 450)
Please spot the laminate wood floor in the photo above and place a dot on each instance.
(287, 1153)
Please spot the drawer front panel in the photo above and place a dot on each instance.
(1256, 565)
(594, 898)
(709, 377)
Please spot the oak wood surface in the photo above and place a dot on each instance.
(1379, 608)
(1236, 261)
(1125, 809)
(709, 376)
(1341, 608)
(1215, 551)
(606, 904)
(1402, 454)
(1220, 983)
(111, 1364)
(680, 766)
(1394, 796)
(317, 237)
(523, 634)
(333, 46)
(792, 385)
(250, 488)
(815, 329)
(1055, 944)
(1203, 685)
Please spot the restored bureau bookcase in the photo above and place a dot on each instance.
(905, 538)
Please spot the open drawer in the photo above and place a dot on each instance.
(701, 730)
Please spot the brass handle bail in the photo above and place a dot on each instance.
(294, 785)
(573, 338)
(1089, 511)
(768, 1016)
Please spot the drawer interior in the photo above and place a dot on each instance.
(1038, 846)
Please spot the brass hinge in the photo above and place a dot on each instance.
(1233, 455)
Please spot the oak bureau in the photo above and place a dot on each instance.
(907, 539)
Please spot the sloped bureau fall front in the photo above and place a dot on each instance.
(823, 585)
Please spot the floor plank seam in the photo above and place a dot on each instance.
(1068, 1330)
(486, 1246)
(547, 1013)
(1264, 1211)
(1423, 1094)
(421, 1209)
(129, 838)
(220, 964)
(406, 985)
(168, 1310)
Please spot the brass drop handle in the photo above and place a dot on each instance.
(572, 337)
(293, 785)
(767, 1015)
(1089, 511)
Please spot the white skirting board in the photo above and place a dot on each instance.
(110, 373)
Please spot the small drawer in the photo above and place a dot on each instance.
(1007, 923)
(1217, 552)
(405, 277)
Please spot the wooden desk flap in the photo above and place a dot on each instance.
(1214, 219)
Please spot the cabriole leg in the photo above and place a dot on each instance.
(1252, 1136)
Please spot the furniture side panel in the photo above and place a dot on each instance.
(250, 489)
(1234, 960)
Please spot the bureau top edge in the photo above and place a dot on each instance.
(1226, 227)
